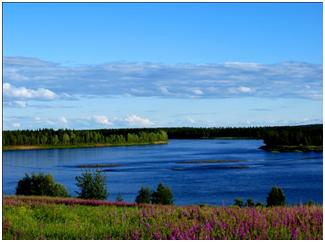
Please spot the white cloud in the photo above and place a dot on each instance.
(63, 120)
(244, 89)
(16, 125)
(241, 89)
(190, 120)
(135, 120)
(25, 93)
(101, 119)
(230, 79)
(164, 90)
(14, 75)
(21, 104)
(197, 92)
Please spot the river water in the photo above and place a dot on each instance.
(245, 170)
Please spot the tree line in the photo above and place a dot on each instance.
(294, 136)
(284, 135)
(64, 137)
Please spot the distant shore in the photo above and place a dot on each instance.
(49, 147)
(292, 148)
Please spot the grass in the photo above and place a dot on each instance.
(47, 147)
(58, 218)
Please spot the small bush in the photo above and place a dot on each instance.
(163, 195)
(144, 195)
(276, 197)
(40, 185)
(119, 198)
(250, 203)
(239, 202)
(92, 185)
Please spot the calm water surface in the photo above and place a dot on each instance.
(299, 174)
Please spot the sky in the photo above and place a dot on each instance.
(113, 65)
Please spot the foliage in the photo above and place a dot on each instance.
(294, 136)
(285, 135)
(65, 137)
(239, 202)
(250, 203)
(92, 185)
(119, 198)
(28, 220)
(40, 185)
(144, 195)
(163, 195)
(276, 197)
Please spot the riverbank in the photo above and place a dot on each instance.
(48, 147)
(69, 218)
(292, 148)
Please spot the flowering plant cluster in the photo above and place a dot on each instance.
(57, 218)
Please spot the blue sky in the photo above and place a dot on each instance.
(152, 65)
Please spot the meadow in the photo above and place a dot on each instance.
(71, 218)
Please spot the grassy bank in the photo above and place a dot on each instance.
(47, 147)
(292, 148)
(56, 218)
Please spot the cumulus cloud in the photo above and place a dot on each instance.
(63, 120)
(16, 125)
(135, 120)
(25, 93)
(230, 79)
(101, 119)
(241, 89)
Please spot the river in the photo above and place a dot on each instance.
(245, 170)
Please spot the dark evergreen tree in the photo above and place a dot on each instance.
(276, 197)
(92, 185)
(144, 195)
(163, 195)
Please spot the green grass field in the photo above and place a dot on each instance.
(58, 218)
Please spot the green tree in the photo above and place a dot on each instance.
(92, 185)
(55, 140)
(276, 197)
(144, 195)
(119, 198)
(239, 202)
(66, 139)
(250, 203)
(163, 195)
(40, 185)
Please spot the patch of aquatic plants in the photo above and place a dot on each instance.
(41, 218)
(198, 168)
(99, 165)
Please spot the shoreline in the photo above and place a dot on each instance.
(292, 148)
(51, 147)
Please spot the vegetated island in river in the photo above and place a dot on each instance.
(279, 138)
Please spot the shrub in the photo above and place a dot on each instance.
(163, 195)
(40, 185)
(276, 197)
(92, 185)
(239, 202)
(250, 203)
(144, 195)
(119, 198)
(258, 204)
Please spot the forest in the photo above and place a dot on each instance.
(303, 135)
(66, 137)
